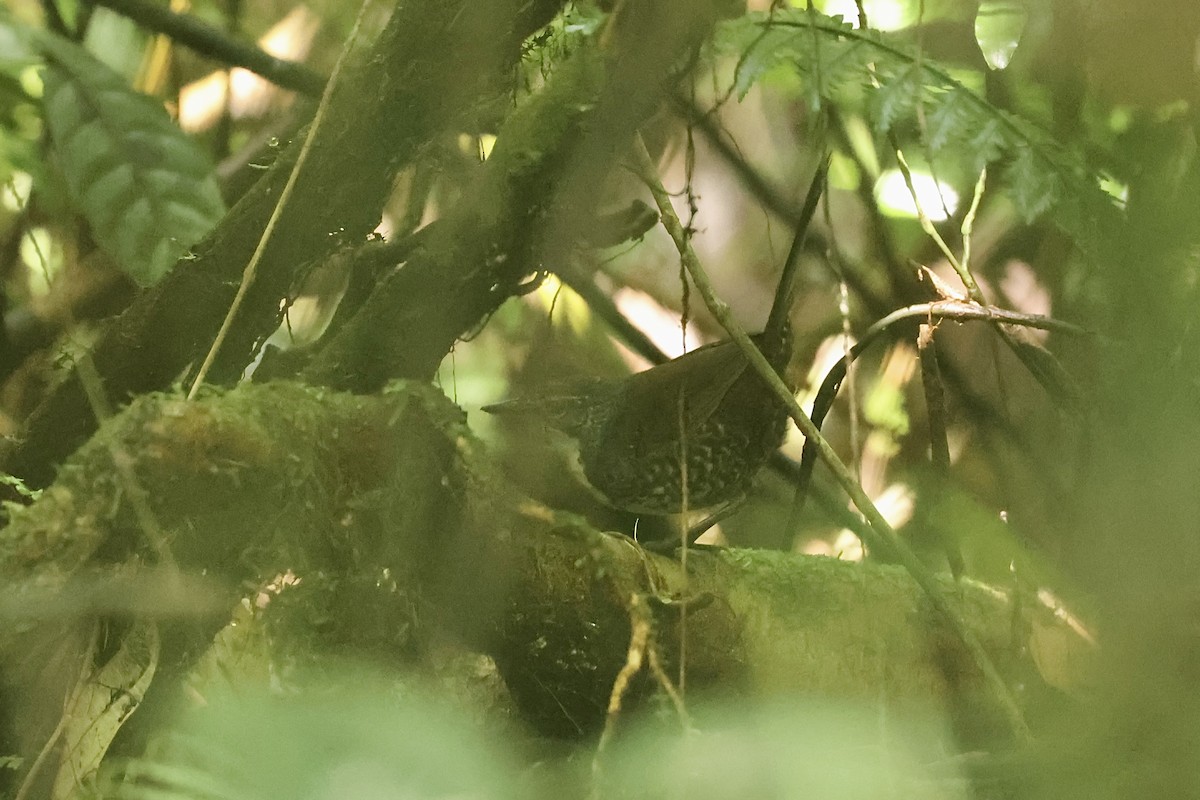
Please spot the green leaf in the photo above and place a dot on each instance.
(998, 28)
(147, 192)
(947, 118)
(903, 84)
(1034, 190)
(896, 100)
(771, 50)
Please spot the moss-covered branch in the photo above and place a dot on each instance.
(389, 508)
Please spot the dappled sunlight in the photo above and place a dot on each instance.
(938, 200)
(238, 90)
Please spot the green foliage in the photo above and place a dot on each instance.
(371, 742)
(147, 192)
(20, 122)
(562, 37)
(387, 739)
(905, 90)
(796, 747)
(19, 486)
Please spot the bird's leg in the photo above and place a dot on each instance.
(724, 512)
(694, 532)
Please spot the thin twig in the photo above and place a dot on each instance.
(641, 650)
(962, 268)
(208, 40)
(957, 310)
(284, 197)
(930, 230)
(968, 223)
(893, 544)
(962, 311)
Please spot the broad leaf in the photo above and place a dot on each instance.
(146, 190)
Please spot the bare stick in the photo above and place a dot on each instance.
(887, 536)
(277, 213)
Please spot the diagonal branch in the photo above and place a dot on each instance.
(209, 40)
(886, 536)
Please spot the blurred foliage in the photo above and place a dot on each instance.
(372, 740)
(384, 740)
(840, 63)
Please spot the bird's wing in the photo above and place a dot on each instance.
(702, 378)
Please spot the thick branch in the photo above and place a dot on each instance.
(428, 69)
(537, 197)
(276, 477)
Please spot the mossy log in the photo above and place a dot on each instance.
(391, 510)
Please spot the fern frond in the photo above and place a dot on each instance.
(834, 57)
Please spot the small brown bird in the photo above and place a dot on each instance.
(708, 410)
(708, 405)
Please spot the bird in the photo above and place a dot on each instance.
(707, 408)
(707, 415)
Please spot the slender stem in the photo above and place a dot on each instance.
(962, 268)
(786, 293)
(277, 213)
(962, 311)
(893, 544)
(968, 224)
(927, 226)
